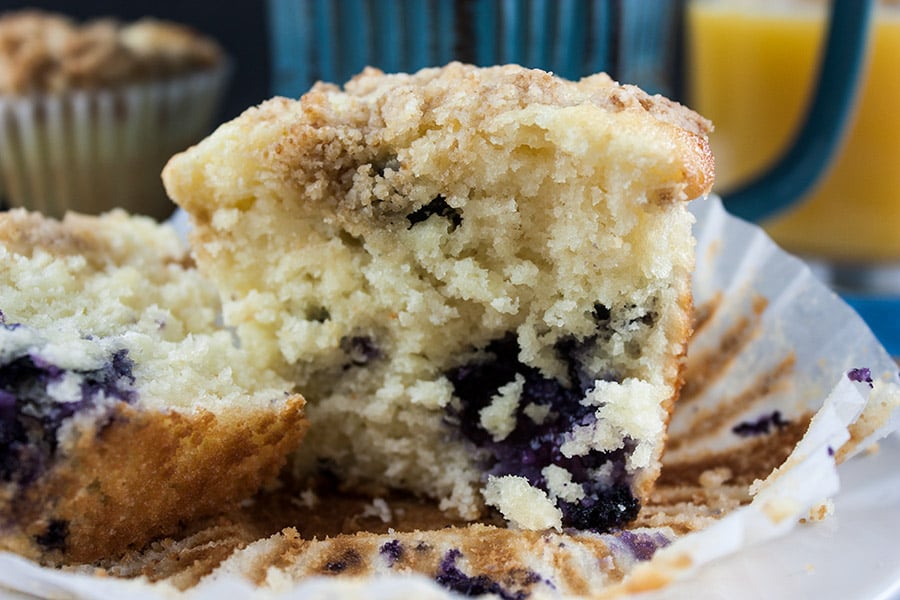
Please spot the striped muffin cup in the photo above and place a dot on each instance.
(93, 150)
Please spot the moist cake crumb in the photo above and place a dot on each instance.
(126, 410)
(478, 277)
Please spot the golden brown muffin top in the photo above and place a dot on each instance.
(48, 52)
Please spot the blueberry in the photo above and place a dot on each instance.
(603, 510)
(643, 545)
(349, 559)
(601, 313)
(761, 426)
(863, 375)
(30, 417)
(532, 446)
(54, 538)
(392, 551)
(438, 207)
(7, 407)
(451, 577)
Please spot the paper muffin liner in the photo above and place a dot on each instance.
(92, 150)
(773, 347)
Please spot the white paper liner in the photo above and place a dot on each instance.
(738, 264)
(92, 150)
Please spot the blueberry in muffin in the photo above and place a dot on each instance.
(479, 278)
(126, 409)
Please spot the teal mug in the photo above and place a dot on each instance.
(636, 41)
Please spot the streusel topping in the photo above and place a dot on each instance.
(47, 52)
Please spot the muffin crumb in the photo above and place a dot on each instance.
(48, 52)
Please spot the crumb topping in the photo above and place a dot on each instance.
(47, 52)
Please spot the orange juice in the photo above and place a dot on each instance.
(751, 71)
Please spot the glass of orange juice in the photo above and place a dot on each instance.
(752, 68)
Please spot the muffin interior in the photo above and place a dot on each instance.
(122, 398)
(461, 268)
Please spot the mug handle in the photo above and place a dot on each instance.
(816, 143)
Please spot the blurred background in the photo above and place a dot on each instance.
(240, 27)
(751, 66)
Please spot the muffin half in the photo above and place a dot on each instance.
(125, 409)
(479, 278)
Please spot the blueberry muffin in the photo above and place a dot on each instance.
(125, 409)
(479, 278)
(90, 111)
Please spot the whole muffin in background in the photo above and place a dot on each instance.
(90, 112)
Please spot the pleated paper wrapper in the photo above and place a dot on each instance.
(93, 150)
(783, 382)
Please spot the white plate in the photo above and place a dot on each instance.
(852, 555)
